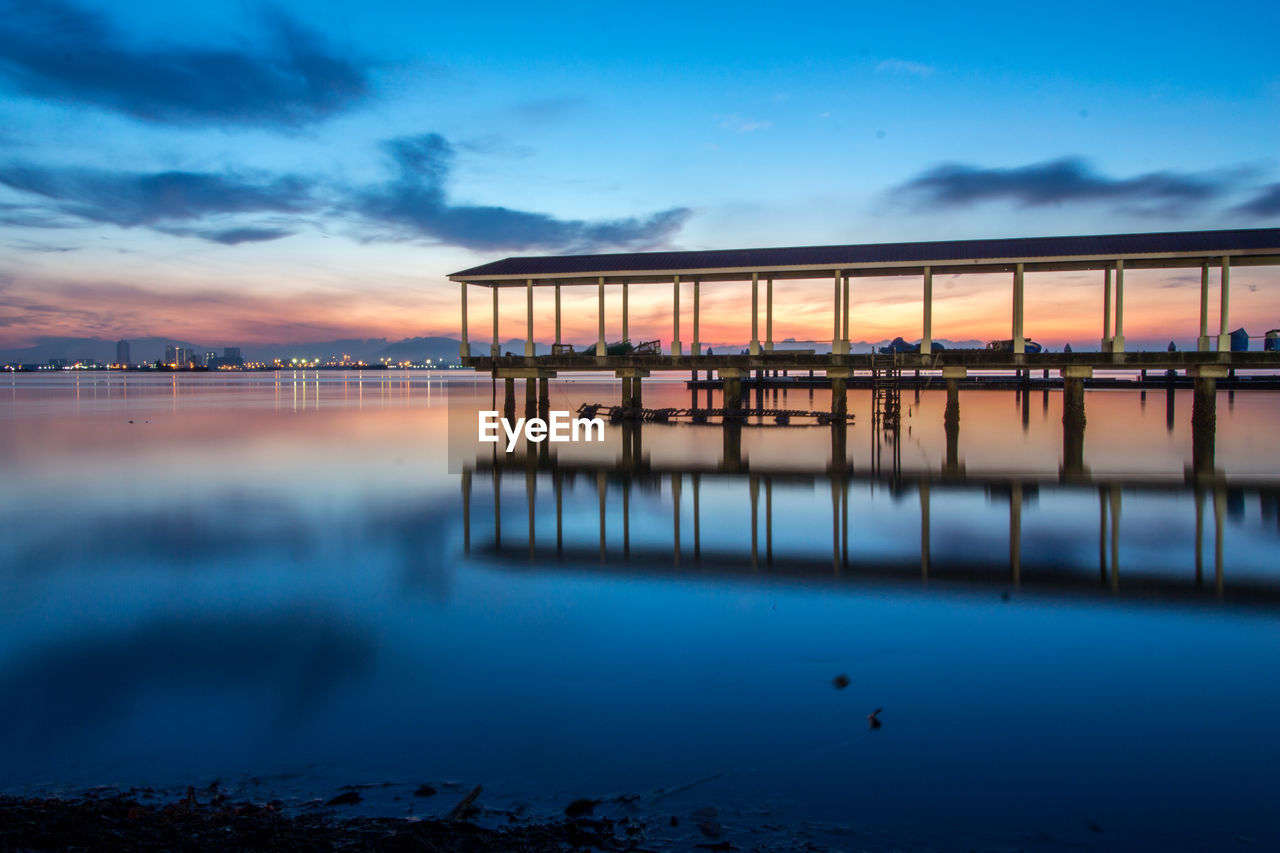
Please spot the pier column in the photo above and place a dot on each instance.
(1073, 422)
(464, 349)
(844, 336)
(676, 348)
(839, 393)
(509, 398)
(544, 397)
(731, 447)
(530, 397)
(768, 315)
(835, 318)
(528, 315)
(626, 331)
(1202, 342)
(495, 349)
(731, 378)
(626, 391)
(630, 377)
(1204, 417)
(1224, 337)
(754, 349)
(951, 418)
(1019, 344)
(926, 342)
(839, 446)
(558, 341)
(1117, 342)
(1106, 310)
(601, 346)
(695, 348)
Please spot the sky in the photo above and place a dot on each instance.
(233, 173)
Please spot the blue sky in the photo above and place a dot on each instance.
(228, 172)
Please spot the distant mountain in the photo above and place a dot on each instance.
(92, 349)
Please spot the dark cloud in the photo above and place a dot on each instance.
(1265, 203)
(1069, 179)
(415, 204)
(54, 50)
(129, 199)
(236, 236)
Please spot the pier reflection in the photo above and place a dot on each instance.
(941, 529)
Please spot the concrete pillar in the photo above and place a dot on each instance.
(530, 397)
(1073, 422)
(768, 315)
(844, 336)
(1224, 336)
(839, 395)
(951, 418)
(494, 349)
(835, 317)
(558, 340)
(754, 348)
(676, 347)
(637, 398)
(1202, 342)
(626, 392)
(926, 342)
(544, 399)
(1106, 310)
(464, 349)
(1168, 408)
(626, 331)
(695, 348)
(509, 399)
(732, 380)
(839, 445)
(1204, 418)
(601, 345)
(1117, 342)
(1019, 344)
(731, 449)
(528, 316)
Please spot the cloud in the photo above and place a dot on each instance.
(415, 204)
(738, 124)
(1069, 179)
(544, 110)
(53, 50)
(904, 66)
(1265, 203)
(131, 199)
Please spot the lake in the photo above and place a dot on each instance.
(295, 582)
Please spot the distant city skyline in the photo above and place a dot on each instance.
(313, 171)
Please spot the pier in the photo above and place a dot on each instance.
(838, 268)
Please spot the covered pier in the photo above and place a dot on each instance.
(837, 268)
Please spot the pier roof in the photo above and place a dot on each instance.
(1167, 249)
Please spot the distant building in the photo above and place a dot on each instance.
(184, 357)
(231, 353)
(230, 359)
(122, 353)
(170, 354)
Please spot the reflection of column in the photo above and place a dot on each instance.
(675, 515)
(951, 418)
(1168, 408)
(558, 481)
(497, 509)
(544, 398)
(839, 445)
(731, 453)
(1219, 530)
(697, 517)
(924, 530)
(530, 397)
(835, 526)
(844, 522)
(601, 489)
(1199, 496)
(531, 498)
(754, 489)
(466, 511)
(768, 520)
(1115, 537)
(626, 516)
(1015, 533)
(1102, 533)
(509, 398)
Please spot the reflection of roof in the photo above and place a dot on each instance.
(1163, 249)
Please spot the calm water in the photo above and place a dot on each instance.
(277, 582)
